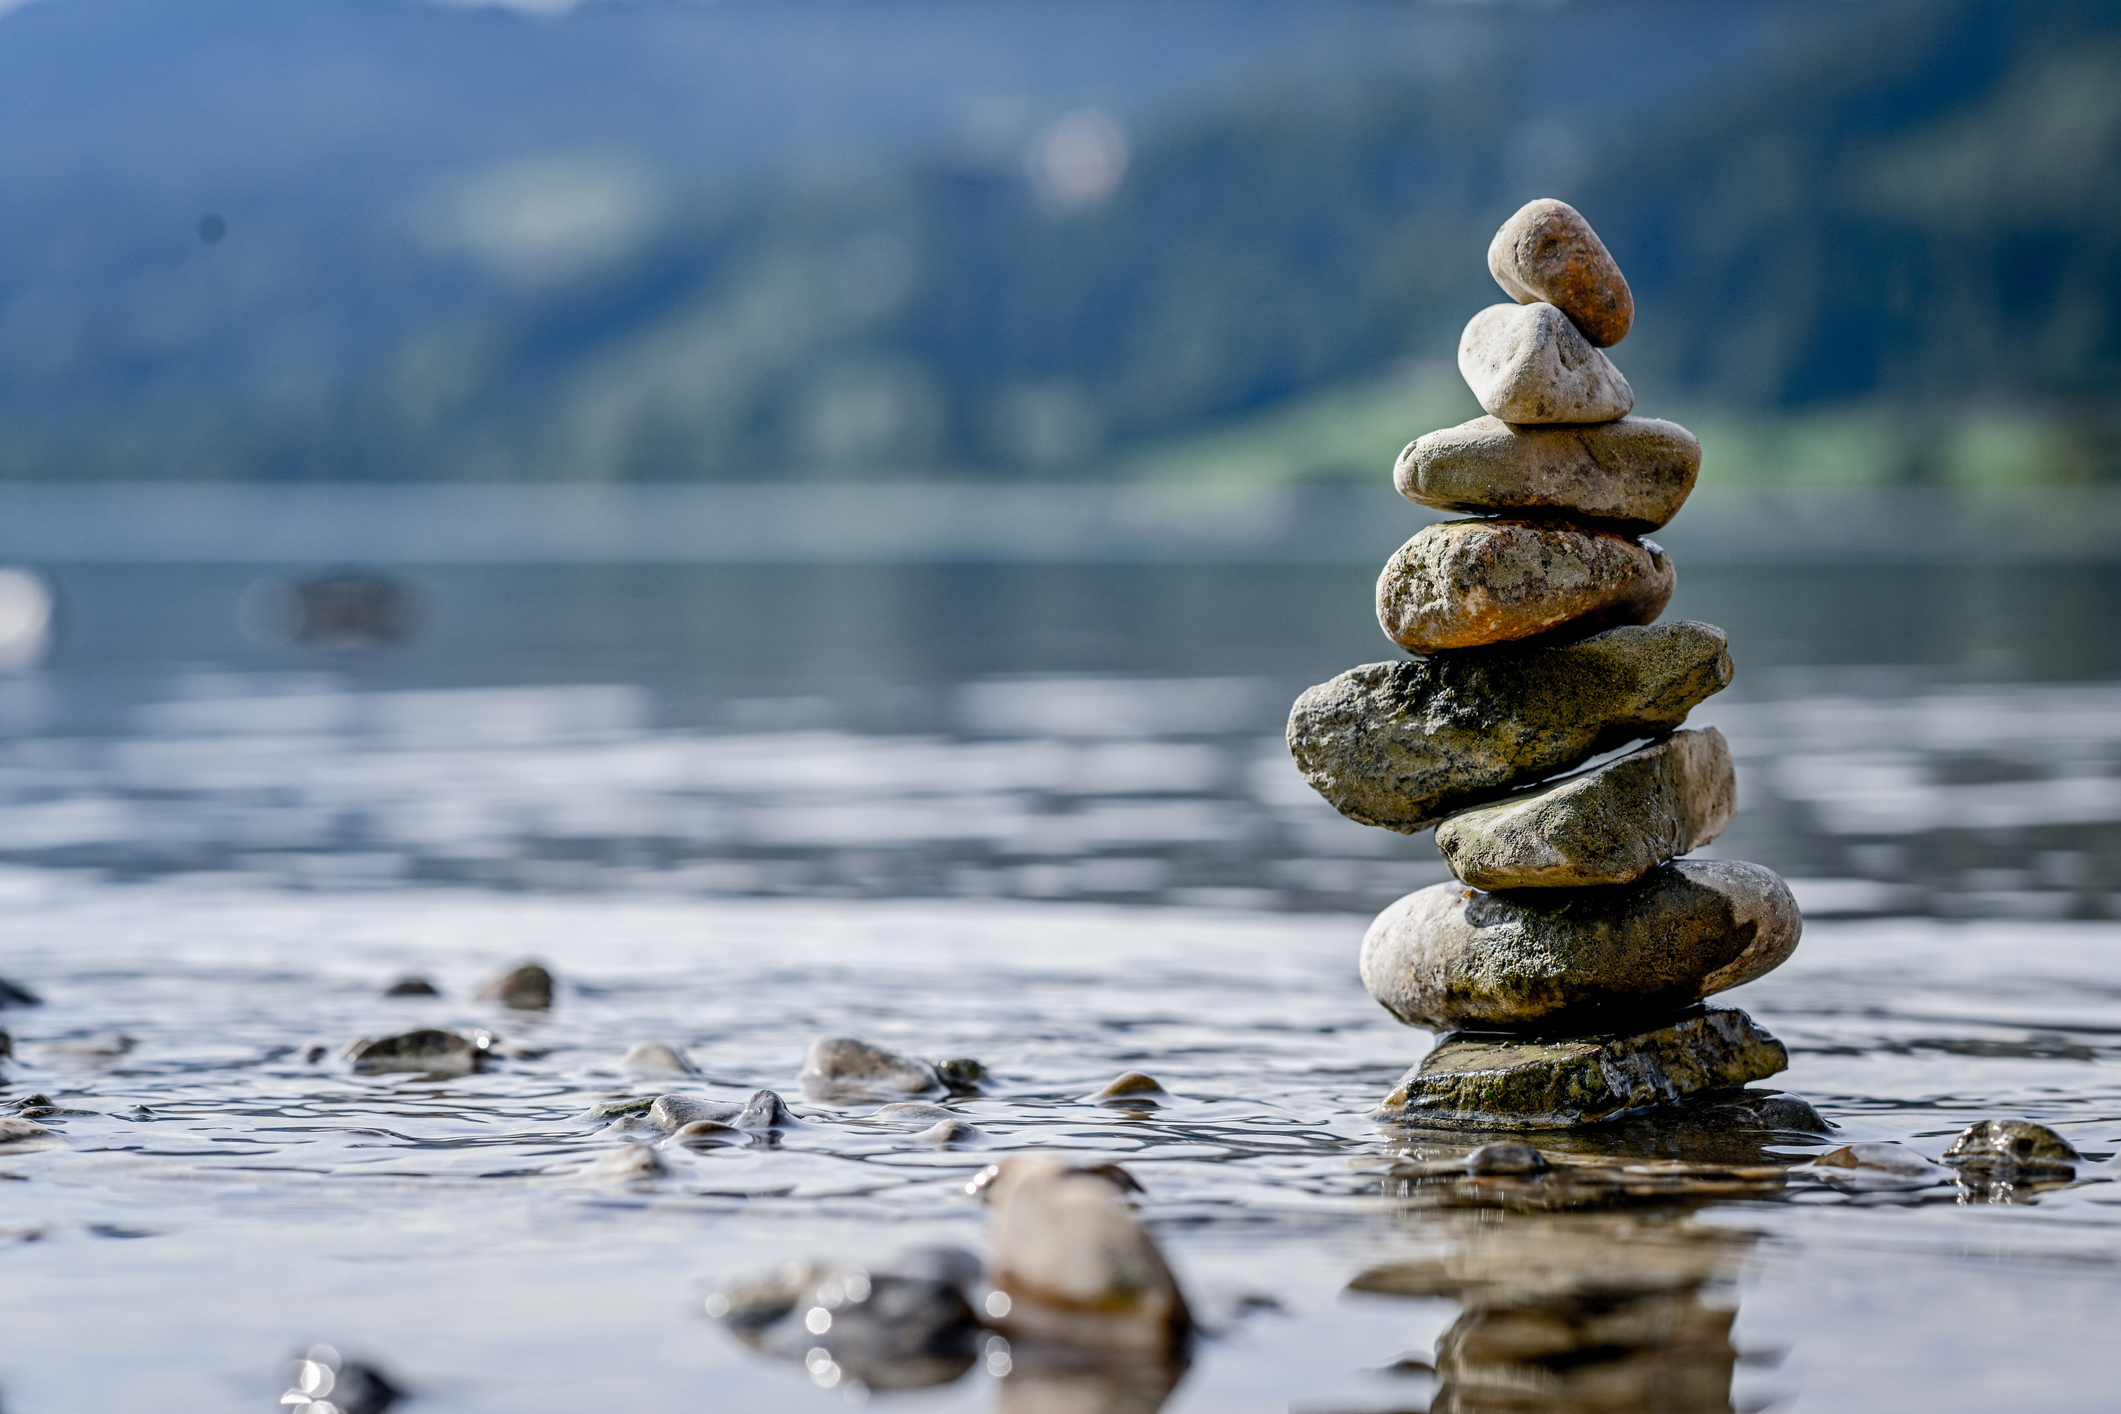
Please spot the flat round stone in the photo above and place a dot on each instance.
(1635, 472)
(1608, 826)
(1547, 252)
(1552, 960)
(1469, 583)
(1528, 363)
(1404, 744)
(1508, 1082)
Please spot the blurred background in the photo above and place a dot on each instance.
(921, 446)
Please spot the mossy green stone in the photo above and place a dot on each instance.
(1506, 1082)
(1402, 745)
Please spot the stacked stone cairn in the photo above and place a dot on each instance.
(1569, 963)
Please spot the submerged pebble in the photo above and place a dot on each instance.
(704, 1134)
(1505, 1158)
(527, 988)
(905, 1325)
(1131, 1088)
(1878, 1165)
(99, 1046)
(950, 1132)
(842, 1066)
(1074, 1266)
(427, 1052)
(2011, 1143)
(913, 1112)
(326, 1384)
(412, 987)
(653, 1058)
(15, 994)
(17, 1131)
(634, 1163)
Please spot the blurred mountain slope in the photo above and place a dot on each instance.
(930, 237)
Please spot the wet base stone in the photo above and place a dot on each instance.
(1491, 1081)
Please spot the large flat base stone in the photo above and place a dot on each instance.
(1488, 1081)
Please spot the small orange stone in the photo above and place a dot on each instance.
(1547, 252)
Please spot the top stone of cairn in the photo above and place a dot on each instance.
(1547, 253)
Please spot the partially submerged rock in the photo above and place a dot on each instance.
(907, 1325)
(763, 1111)
(527, 988)
(323, 1381)
(1130, 1088)
(412, 987)
(1634, 473)
(646, 1059)
(1074, 1266)
(623, 1105)
(1506, 1158)
(843, 1067)
(1607, 826)
(1558, 961)
(23, 1131)
(426, 1052)
(1470, 583)
(2010, 1144)
(634, 1163)
(1527, 363)
(1403, 744)
(705, 1134)
(1878, 1165)
(1547, 251)
(1475, 1081)
(950, 1133)
(15, 994)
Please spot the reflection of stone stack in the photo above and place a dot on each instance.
(1572, 969)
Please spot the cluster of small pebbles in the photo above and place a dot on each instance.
(1568, 964)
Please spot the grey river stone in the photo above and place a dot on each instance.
(843, 1067)
(425, 1052)
(1635, 472)
(1529, 363)
(764, 1110)
(645, 1059)
(1611, 825)
(1471, 583)
(1547, 251)
(1562, 960)
(1510, 1082)
(1401, 745)
(527, 988)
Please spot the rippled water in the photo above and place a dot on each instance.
(1041, 819)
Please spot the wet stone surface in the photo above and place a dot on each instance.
(1470, 583)
(1403, 744)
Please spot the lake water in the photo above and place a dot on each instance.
(1036, 815)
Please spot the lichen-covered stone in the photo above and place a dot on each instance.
(1607, 826)
(2010, 1143)
(1505, 1082)
(1402, 745)
(1470, 583)
(1635, 472)
(1528, 363)
(1561, 960)
(1546, 251)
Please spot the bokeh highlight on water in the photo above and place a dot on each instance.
(1040, 816)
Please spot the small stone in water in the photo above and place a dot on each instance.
(1470, 583)
(905, 1326)
(527, 988)
(913, 1111)
(7, 1046)
(1074, 1266)
(1547, 251)
(326, 1384)
(1895, 1161)
(633, 1164)
(674, 1112)
(1133, 1087)
(16, 1131)
(1505, 1158)
(1608, 826)
(1527, 363)
(961, 1073)
(950, 1131)
(764, 1110)
(412, 987)
(427, 1052)
(705, 1134)
(14, 994)
(612, 1109)
(2010, 1143)
(100, 1045)
(1403, 744)
(844, 1066)
(652, 1058)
